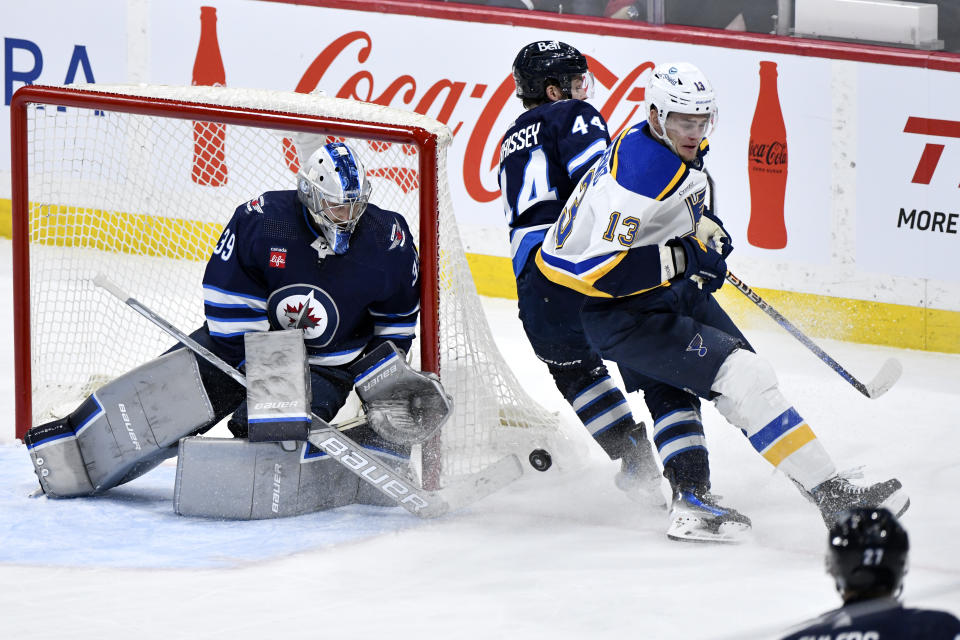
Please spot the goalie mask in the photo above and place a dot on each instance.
(680, 88)
(333, 186)
(549, 62)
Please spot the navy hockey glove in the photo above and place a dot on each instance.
(710, 231)
(699, 263)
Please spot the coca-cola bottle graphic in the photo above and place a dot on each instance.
(767, 165)
(209, 138)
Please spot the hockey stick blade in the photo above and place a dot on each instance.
(473, 487)
(420, 502)
(887, 377)
(369, 468)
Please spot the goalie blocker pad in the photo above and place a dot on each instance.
(278, 385)
(403, 405)
(241, 480)
(127, 427)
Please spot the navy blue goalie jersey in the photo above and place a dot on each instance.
(267, 273)
(543, 155)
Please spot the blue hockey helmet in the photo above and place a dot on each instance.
(333, 185)
(867, 553)
(549, 62)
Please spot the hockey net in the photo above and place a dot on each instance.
(138, 181)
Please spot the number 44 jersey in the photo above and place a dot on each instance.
(544, 154)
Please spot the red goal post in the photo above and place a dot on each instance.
(138, 180)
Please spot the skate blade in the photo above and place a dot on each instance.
(897, 503)
(695, 530)
(649, 496)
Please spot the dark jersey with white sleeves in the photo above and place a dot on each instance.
(271, 270)
(880, 619)
(543, 155)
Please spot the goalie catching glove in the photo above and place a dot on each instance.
(403, 406)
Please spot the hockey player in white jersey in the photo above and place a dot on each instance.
(638, 239)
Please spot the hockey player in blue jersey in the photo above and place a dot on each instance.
(544, 153)
(637, 240)
(319, 258)
(867, 552)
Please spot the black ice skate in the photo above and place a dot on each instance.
(697, 516)
(837, 494)
(639, 476)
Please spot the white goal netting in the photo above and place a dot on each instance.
(142, 196)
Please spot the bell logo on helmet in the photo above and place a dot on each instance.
(548, 45)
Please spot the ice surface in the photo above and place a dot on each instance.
(556, 555)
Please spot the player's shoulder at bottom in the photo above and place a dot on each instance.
(271, 204)
(933, 623)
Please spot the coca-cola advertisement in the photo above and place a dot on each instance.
(460, 74)
(767, 164)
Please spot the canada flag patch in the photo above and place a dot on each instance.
(278, 258)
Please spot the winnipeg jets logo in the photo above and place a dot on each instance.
(301, 316)
(306, 307)
(255, 205)
(397, 237)
(696, 345)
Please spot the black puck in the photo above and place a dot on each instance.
(540, 459)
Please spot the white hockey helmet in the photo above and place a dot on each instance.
(333, 185)
(680, 87)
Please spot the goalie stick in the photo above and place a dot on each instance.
(326, 437)
(887, 376)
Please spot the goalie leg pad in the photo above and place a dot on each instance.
(57, 461)
(127, 427)
(403, 405)
(241, 480)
